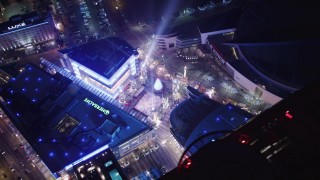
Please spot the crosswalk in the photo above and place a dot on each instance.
(153, 159)
(103, 95)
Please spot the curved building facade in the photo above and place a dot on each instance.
(166, 40)
(279, 41)
(199, 115)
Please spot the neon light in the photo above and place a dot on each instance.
(288, 115)
(17, 26)
(23, 28)
(68, 167)
(95, 105)
(87, 157)
(51, 154)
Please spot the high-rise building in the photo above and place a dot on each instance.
(26, 30)
(105, 63)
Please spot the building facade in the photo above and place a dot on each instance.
(23, 31)
(185, 41)
(167, 41)
(105, 63)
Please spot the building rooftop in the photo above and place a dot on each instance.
(34, 86)
(104, 56)
(66, 123)
(221, 21)
(191, 33)
(199, 115)
(226, 117)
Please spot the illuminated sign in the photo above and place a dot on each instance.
(95, 105)
(17, 26)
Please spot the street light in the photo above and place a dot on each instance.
(59, 26)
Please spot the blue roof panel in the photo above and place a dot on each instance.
(104, 56)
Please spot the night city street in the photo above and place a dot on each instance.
(133, 89)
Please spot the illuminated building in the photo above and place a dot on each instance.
(105, 63)
(64, 123)
(23, 31)
(166, 40)
(193, 34)
(187, 40)
(219, 37)
(176, 39)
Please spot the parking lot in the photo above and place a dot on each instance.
(82, 20)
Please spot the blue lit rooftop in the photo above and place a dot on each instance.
(227, 117)
(69, 123)
(104, 56)
(33, 84)
(199, 115)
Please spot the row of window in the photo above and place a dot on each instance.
(26, 36)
